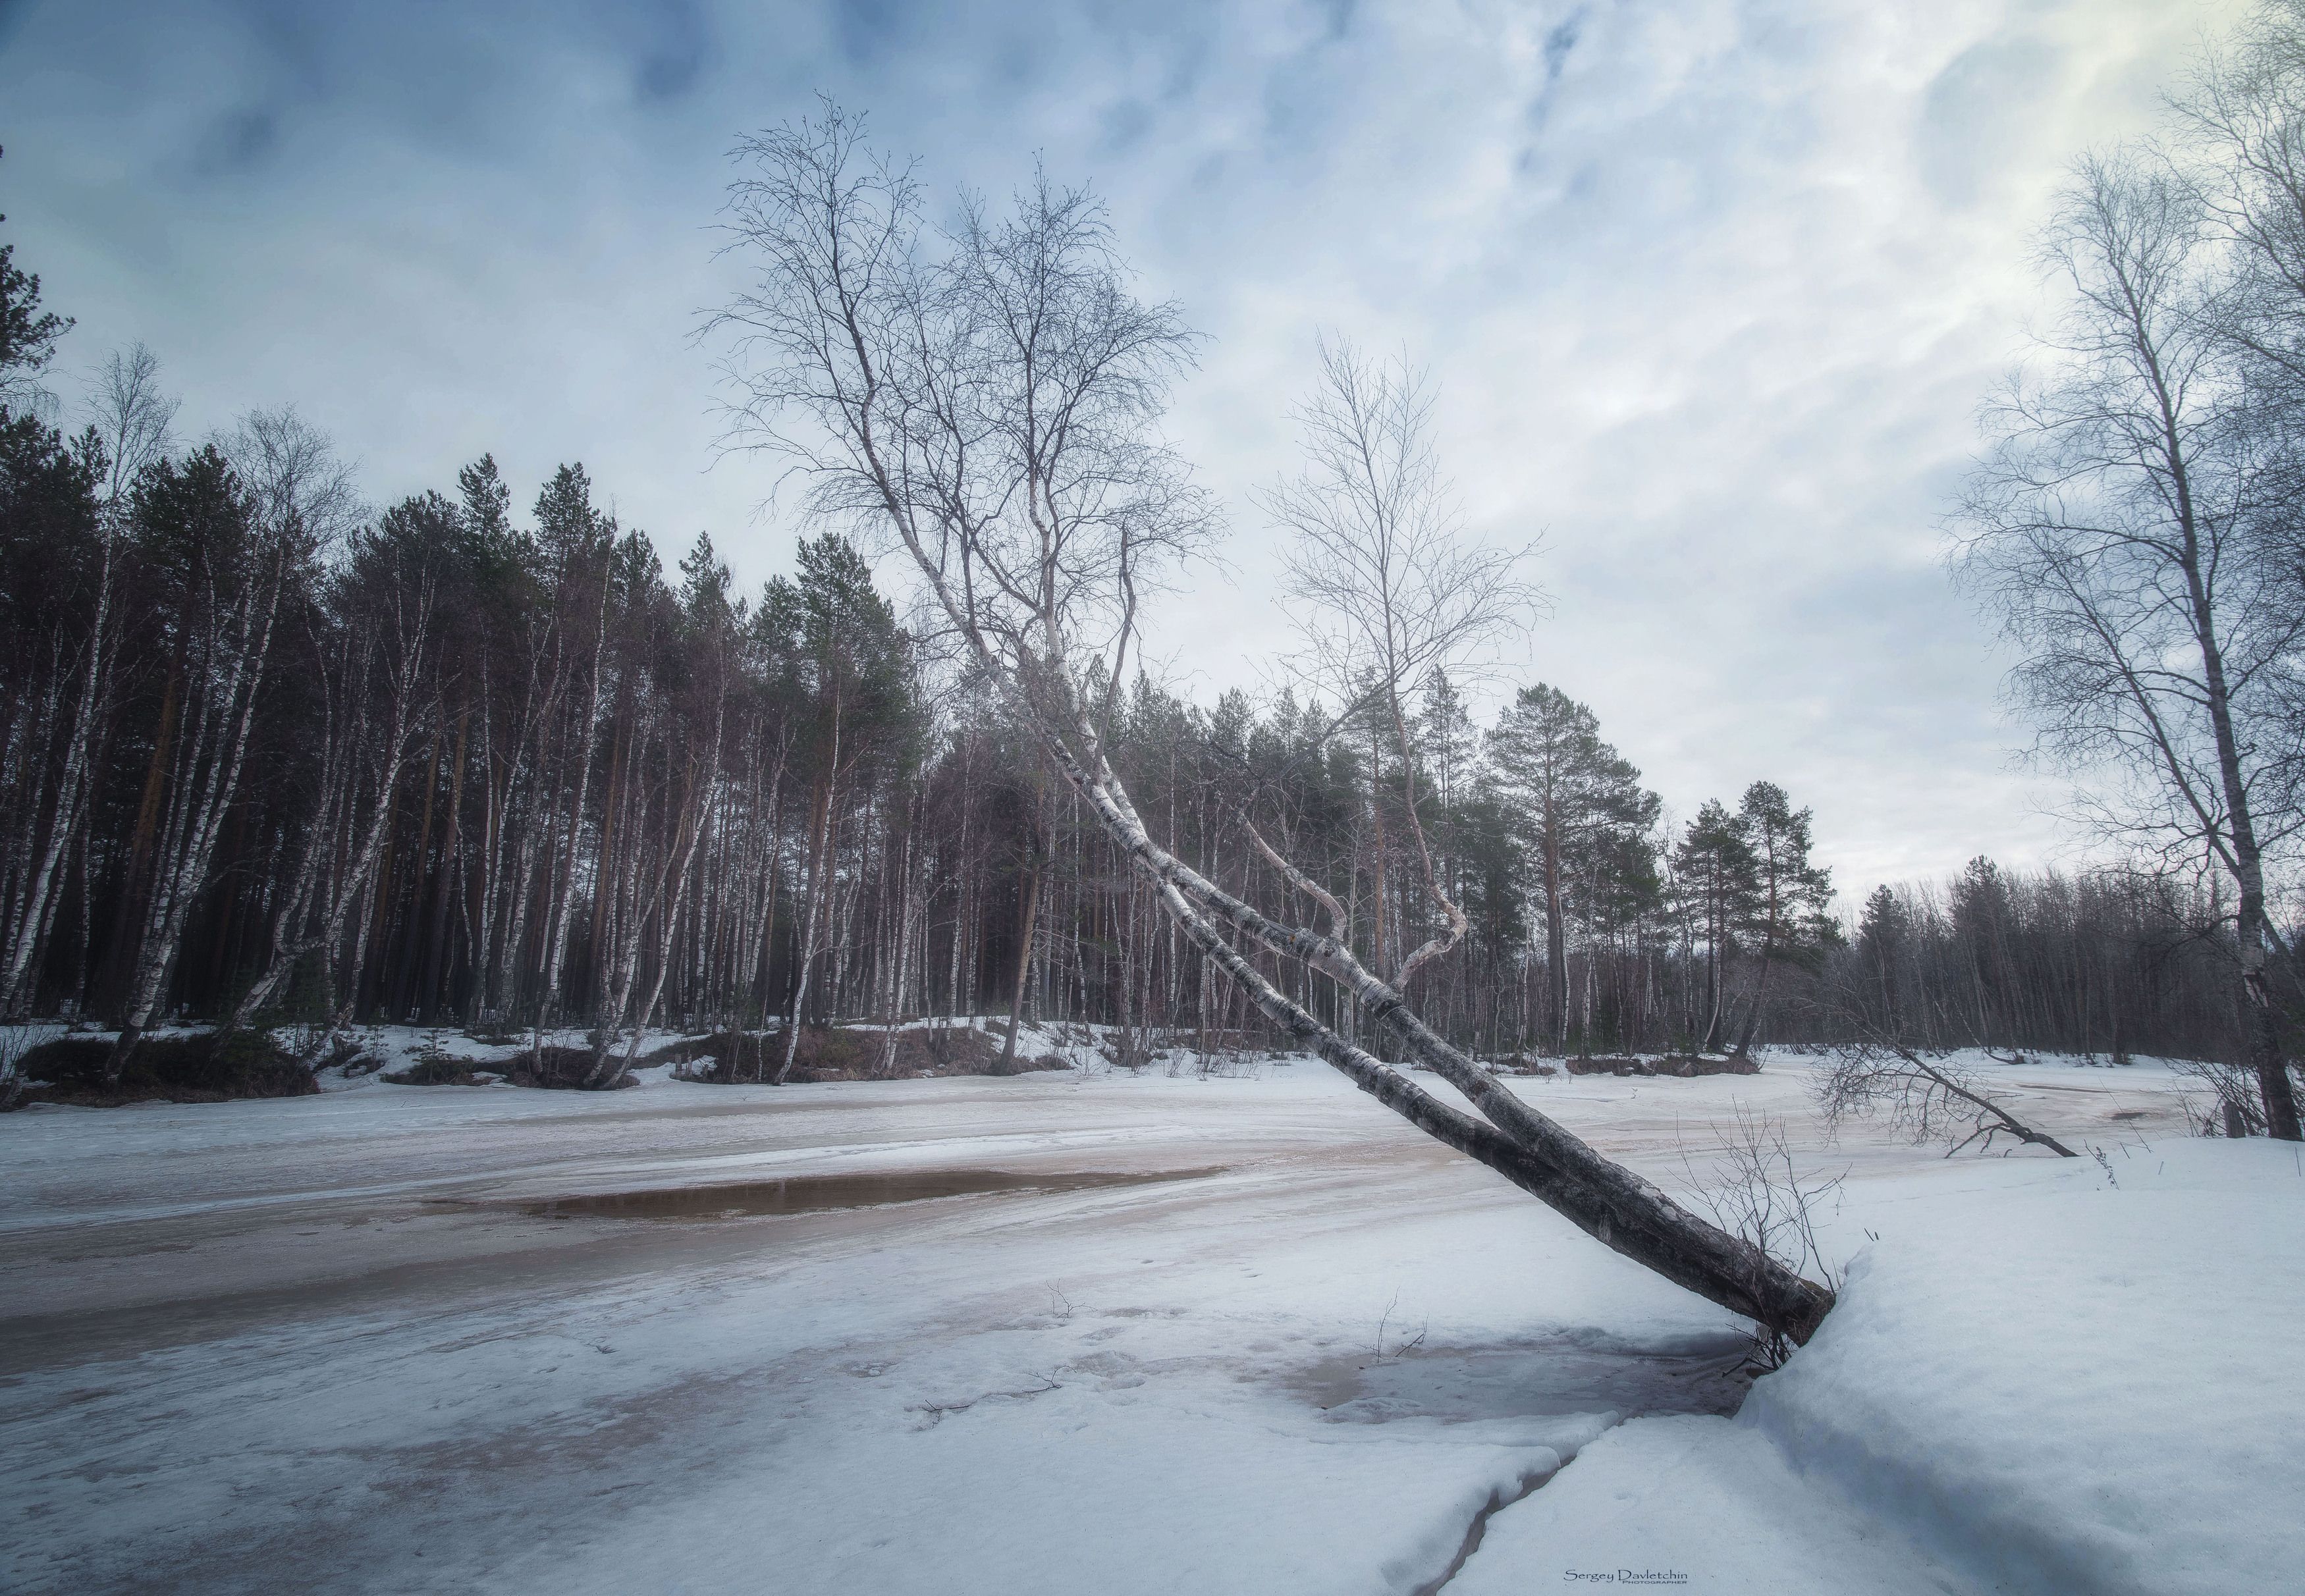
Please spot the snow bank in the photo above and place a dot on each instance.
(1694, 1503)
(2085, 1382)
(2044, 1376)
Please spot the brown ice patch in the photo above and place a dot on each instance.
(819, 1193)
(1547, 1377)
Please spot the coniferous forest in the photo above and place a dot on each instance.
(482, 756)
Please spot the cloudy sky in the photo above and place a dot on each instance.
(1712, 288)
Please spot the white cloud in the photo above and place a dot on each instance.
(1712, 288)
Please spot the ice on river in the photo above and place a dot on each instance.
(1067, 1332)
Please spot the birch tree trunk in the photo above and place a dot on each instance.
(208, 788)
(819, 841)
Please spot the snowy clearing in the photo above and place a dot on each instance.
(327, 1343)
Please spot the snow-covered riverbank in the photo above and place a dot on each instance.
(317, 1344)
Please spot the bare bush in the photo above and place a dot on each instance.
(2221, 1100)
(1752, 1189)
(15, 1042)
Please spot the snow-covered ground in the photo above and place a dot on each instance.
(331, 1343)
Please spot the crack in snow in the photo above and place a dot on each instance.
(1531, 1481)
(936, 1411)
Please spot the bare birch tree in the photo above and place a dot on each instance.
(988, 400)
(2241, 121)
(2118, 526)
(1388, 588)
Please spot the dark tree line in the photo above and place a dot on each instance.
(450, 763)
(2113, 964)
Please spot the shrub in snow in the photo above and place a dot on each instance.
(857, 1053)
(197, 1068)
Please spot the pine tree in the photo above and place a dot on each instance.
(1585, 814)
(854, 660)
(1790, 892)
(1717, 875)
(27, 336)
(1884, 932)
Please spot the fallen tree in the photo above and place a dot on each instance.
(1879, 1072)
(988, 399)
(1925, 1097)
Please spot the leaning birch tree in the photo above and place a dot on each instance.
(987, 398)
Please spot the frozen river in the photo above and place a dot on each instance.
(1048, 1334)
